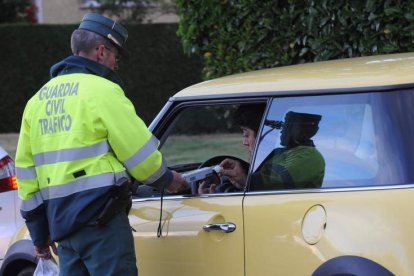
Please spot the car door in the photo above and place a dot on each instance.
(197, 234)
(359, 211)
(184, 247)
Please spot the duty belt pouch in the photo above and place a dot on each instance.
(120, 201)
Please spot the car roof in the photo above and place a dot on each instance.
(326, 76)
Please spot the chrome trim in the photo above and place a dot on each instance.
(181, 197)
(298, 191)
(332, 190)
(226, 227)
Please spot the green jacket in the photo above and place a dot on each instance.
(291, 168)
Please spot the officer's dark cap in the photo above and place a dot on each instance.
(107, 28)
(307, 122)
(302, 118)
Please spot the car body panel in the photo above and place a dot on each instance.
(364, 223)
(184, 245)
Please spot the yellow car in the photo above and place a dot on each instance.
(326, 188)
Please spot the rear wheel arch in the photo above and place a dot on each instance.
(20, 257)
(351, 265)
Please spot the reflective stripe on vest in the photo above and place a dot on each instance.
(32, 203)
(156, 175)
(79, 185)
(26, 173)
(139, 156)
(71, 154)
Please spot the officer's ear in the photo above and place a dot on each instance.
(99, 52)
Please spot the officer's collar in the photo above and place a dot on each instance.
(77, 64)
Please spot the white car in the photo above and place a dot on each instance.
(10, 218)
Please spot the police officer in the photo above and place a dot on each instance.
(298, 164)
(80, 136)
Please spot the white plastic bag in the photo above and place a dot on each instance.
(46, 268)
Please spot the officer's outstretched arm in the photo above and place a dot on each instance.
(177, 184)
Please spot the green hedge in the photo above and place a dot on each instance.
(157, 69)
(243, 35)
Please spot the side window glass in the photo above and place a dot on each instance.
(335, 141)
(200, 137)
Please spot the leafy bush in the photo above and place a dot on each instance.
(242, 35)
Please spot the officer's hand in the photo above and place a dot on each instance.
(178, 183)
(44, 251)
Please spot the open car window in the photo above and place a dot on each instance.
(199, 133)
(200, 137)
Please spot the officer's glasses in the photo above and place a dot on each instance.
(117, 57)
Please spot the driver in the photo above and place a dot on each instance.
(248, 117)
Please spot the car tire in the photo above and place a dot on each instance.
(351, 265)
(27, 271)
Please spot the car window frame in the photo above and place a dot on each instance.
(296, 94)
(161, 123)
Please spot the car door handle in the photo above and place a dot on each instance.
(226, 227)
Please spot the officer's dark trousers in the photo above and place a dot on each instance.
(99, 251)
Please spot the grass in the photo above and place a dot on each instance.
(178, 149)
(197, 148)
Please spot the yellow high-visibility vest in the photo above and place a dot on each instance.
(79, 132)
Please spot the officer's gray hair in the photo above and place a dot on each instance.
(85, 41)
